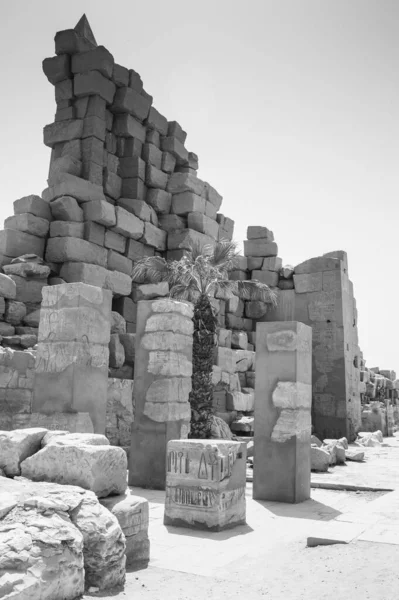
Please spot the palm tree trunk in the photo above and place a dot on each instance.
(204, 342)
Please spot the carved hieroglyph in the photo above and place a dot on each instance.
(205, 484)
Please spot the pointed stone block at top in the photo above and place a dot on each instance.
(83, 29)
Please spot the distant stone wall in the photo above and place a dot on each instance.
(16, 387)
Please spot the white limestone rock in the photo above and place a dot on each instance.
(319, 458)
(101, 469)
(16, 446)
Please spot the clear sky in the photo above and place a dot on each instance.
(291, 105)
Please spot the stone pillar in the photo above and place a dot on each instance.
(162, 383)
(205, 484)
(283, 397)
(72, 354)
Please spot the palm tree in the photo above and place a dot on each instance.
(197, 277)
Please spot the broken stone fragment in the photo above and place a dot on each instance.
(320, 459)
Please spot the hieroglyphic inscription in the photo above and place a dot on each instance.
(193, 496)
(178, 462)
(231, 498)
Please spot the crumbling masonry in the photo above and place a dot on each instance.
(122, 185)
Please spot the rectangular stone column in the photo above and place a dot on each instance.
(72, 355)
(283, 397)
(162, 383)
(205, 484)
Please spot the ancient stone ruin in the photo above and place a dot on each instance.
(122, 185)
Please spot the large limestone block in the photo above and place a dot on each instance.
(185, 182)
(185, 238)
(256, 232)
(103, 543)
(226, 359)
(67, 249)
(260, 248)
(62, 131)
(205, 484)
(98, 59)
(94, 83)
(100, 212)
(15, 243)
(312, 282)
(67, 208)
(128, 224)
(318, 264)
(132, 513)
(148, 291)
(244, 360)
(203, 224)
(213, 197)
(320, 459)
(28, 223)
(74, 312)
(41, 552)
(270, 278)
(131, 102)
(101, 469)
(16, 446)
(65, 184)
(64, 438)
(125, 125)
(178, 323)
(34, 205)
(187, 202)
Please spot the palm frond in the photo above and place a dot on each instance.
(151, 269)
(255, 290)
(224, 255)
(226, 287)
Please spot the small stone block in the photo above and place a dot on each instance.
(205, 484)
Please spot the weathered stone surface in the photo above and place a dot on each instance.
(66, 208)
(239, 401)
(128, 100)
(28, 223)
(154, 237)
(260, 248)
(132, 513)
(118, 323)
(15, 312)
(185, 182)
(68, 249)
(8, 288)
(67, 229)
(14, 243)
(100, 212)
(127, 126)
(282, 411)
(203, 224)
(256, 232)
(128, 225)
(94, 83)
(185, 238)
(33, 205)
(176, 148)
(42, 551)
(98, 59)
(64, 438)
(56, 422)
(312, 282)
(255, 309)
(101, 469)
(120, 411)
(239, 340)
(62, 131)
(320, 459)
(16, 446)
(205, 484)
(65, 184)
(187, 202)
(354, 455)
(318, 264)
(116, 352)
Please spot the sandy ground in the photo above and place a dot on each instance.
(269, 557)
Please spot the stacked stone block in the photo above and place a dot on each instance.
(163, 369)
(71, 373)
(16, 387)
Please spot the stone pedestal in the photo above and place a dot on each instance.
(72, 355)
(283, 397)
(205, 484)
(162, 383)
